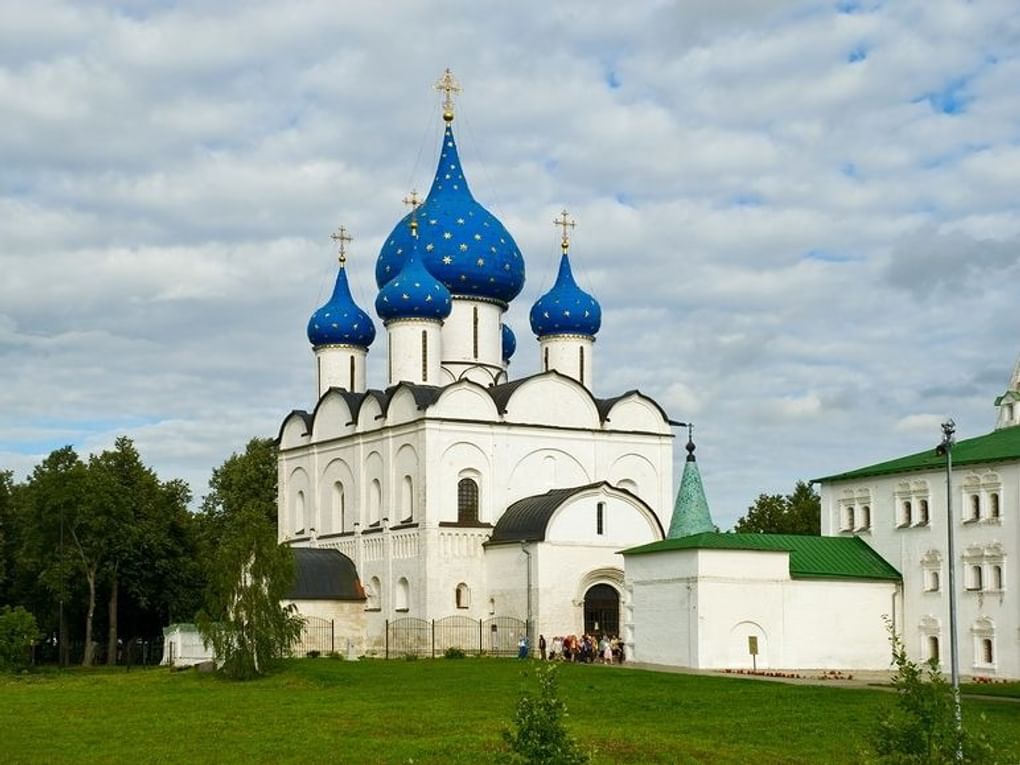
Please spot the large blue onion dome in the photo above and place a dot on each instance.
(509, 342)
(413, 293)
(566, 309)
(341, 321)
(461, 243)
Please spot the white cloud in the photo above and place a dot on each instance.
(784, 240)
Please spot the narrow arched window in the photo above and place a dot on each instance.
(933, 581)
(374, 501)
(933, 648)
(975, 507)
(600, 518)
(462, 596)
(474, 331)
(407, 499)
(866, 517)
(351, 387)
(402, 596)
(580, 364)
(299, 512)
(545, 359)
(424, 356)
(467, 501)
(924, 513)
(994, 505)
(373, 594)
(850, 518)
(339, 507)
(318, 372)
(908, 512)
(997, 580)
(987, 652)
(975, 578)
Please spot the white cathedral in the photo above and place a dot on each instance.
(457, 490)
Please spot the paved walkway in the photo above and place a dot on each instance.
(876, 680)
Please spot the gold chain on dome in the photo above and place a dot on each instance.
(413, 201)
(564, 223)
(342, 238)
(449, 85)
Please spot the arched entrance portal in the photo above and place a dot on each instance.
(602, 610)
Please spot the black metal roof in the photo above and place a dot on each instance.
(526, 519)
(324, 575)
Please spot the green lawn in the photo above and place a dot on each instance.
(441, 711)
(1011, 690)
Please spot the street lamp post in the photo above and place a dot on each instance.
(946, 448)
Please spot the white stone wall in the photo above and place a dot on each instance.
(698, 607)
(459, 342)
(405, 348)
(919, 549)
(570, 355)
(348, 624)
(333, 368)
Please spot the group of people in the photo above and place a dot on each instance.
(586, 649)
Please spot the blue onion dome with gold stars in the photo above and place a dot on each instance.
(566, 309)
(509, 342)
(461, 243)
(413, 293)
(341, 321)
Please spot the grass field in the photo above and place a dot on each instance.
(441, 711)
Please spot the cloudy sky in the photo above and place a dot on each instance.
(802, 219)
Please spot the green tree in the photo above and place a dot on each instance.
(249, 573)
(18, 633)
(796, 513)
(922, 729)
(7, 536)
(538, 735)
(50, 504)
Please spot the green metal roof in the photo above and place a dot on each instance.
(997, 446)
(810, 557)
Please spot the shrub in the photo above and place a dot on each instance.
(538, 736)
(454, 653)
(921, 729)
(313, 654)
(410, 656)
(335, 656)
(18, 633)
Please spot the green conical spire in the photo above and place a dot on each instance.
(690, 512)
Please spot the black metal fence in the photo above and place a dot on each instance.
(495, 636)
(318, 636)
(136, 652)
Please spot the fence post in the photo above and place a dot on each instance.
(433, 638)
(332, 635)
(387, 638)
(480, 622)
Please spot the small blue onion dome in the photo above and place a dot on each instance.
(341, 321)
(509, 342)
(461, 243)
(566, 309)
(413, 293)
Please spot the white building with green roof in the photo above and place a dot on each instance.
(899, 507)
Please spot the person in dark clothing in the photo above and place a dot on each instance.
(541, 646)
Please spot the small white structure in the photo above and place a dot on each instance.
(183, 646)
(764, 601)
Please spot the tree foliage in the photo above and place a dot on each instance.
(538, 735)
(249, 572)
(18, 633)
(921, 729)
(797, 513)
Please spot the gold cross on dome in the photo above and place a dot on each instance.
(342, 238)
(564, 223)
(414, 202)
(449, 85)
